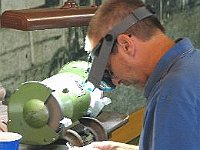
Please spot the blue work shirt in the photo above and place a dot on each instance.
(172, 117)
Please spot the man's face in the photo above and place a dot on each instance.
(121, 68)
(123, 71)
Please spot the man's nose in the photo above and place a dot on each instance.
(116, 81)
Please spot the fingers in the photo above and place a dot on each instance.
(84, 148)
(94, 146)
(3, 127)
(103, 145)
(107, 145)
(111, 145)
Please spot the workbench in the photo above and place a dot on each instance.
(120, 127)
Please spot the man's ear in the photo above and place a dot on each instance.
(126, 43)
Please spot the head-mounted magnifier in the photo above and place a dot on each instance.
(98, 75)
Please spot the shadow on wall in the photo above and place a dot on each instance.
(63, 56)
(50, 3)
(74, 49)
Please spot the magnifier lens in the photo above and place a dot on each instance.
(106, 82)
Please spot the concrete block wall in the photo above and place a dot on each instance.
(45, 43)
(14, 55)
(29, 55)
(20, 4)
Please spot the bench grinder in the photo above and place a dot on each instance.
(48, 111)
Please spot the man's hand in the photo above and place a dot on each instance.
(107, 145)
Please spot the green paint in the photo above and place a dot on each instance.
(22, 99)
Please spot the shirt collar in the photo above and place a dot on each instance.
(181, 46)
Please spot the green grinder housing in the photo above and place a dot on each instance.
(36, 109)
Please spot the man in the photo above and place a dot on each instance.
(144, 56)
